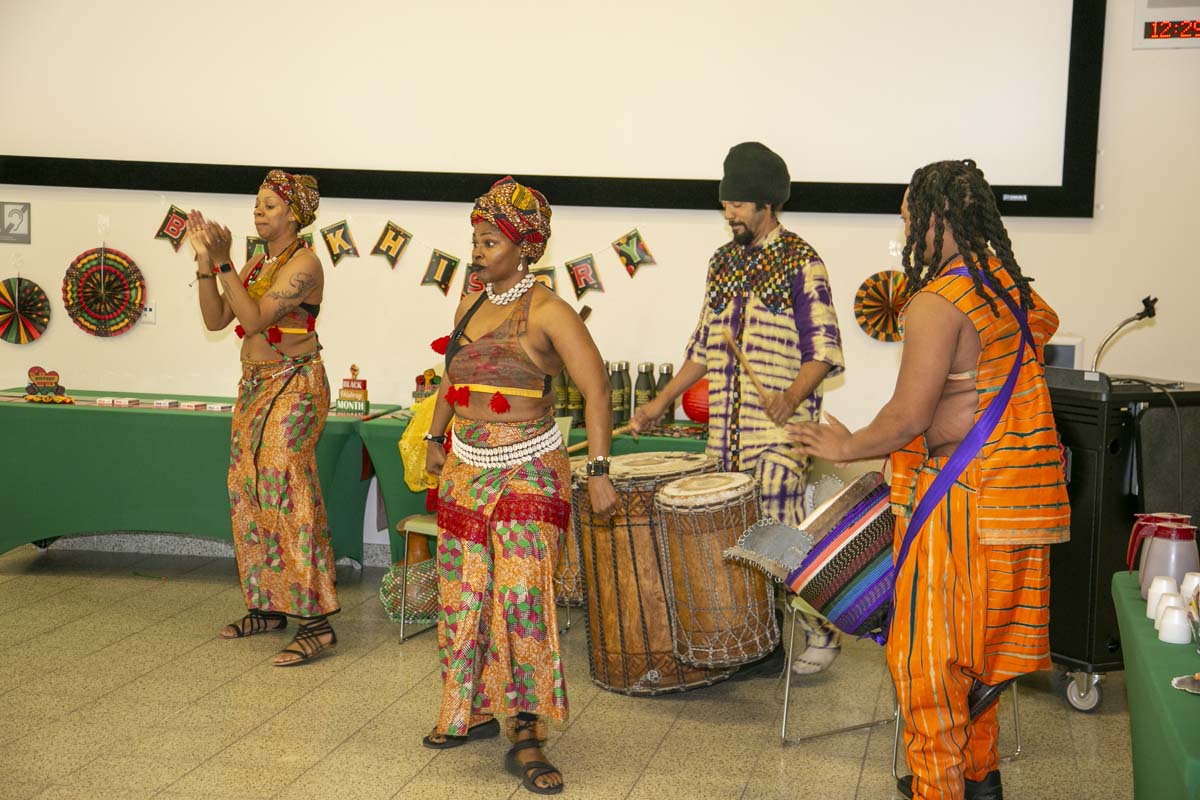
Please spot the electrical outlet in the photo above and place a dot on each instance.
(149, 315)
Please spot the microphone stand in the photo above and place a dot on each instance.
(1148, 304)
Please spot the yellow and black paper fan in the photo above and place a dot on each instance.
(878, 304)
(104, 292)
(24, 310)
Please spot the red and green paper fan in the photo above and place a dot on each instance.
(104, 292)
(24, 310)
(878, 304)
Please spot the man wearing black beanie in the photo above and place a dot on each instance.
(769, 291)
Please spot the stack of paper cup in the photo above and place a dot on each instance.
(1189, 584)
(1166, 600)
(1163, 584)
(1174, 627)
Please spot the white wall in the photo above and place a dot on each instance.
(1141, 241)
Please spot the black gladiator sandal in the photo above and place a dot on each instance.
(308, 642)
(257, 622)
(529, 771)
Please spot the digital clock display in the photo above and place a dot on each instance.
(1172, 29)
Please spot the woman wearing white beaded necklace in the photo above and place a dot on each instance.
(504, 498)
(521, 287)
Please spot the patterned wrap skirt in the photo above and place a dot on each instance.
(280, 528)
(500, 526)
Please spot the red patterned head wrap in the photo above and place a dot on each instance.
(521, 213)
(298, 191)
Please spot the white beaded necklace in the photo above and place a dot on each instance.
(519, 288)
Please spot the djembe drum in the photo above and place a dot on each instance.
(722, 614)
(568, 573)
(839, 560)
(630, 650)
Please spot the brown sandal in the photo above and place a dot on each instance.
(259, 622)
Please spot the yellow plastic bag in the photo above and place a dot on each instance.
(412, 446)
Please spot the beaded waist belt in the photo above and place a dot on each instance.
(279, 368)
(508, 455)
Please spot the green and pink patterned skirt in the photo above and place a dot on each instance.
(499, 530)
(280, 529)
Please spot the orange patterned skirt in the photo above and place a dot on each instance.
(280, 529)
(499, 532)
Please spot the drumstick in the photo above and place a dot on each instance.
(575, 448)
(741, 357)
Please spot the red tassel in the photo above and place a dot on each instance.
(274, 335)
(499, 404)
(440, 345)
(458, 396)
(240, 331)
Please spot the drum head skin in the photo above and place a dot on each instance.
(820, 492)
(636, 467)
(704, 490)
(825, 516)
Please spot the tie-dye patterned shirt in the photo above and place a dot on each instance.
(774, 301)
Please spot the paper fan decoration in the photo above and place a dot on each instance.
(24, 310)
(878, 304)
(104, 292)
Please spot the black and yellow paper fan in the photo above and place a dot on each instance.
(24, 310)
(878, 304)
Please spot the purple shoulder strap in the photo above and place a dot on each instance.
(977, 436)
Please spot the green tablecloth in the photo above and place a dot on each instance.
(1164, 723)
(382, 435)
(82, 468)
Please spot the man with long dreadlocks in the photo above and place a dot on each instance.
(768, 291)
(973, 579)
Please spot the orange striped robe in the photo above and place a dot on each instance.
(972, 600)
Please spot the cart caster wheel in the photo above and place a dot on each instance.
(1085, 700)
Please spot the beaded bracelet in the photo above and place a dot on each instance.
(597, 466)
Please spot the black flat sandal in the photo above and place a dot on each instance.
(529, 771)
(484, 730)
(259, 622)
(308, 642)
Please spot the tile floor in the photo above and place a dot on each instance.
(113, 685)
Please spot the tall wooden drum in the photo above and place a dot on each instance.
(568, 574)
(629, 637)
(722, 614)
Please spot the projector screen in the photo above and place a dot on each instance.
(626, 102)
